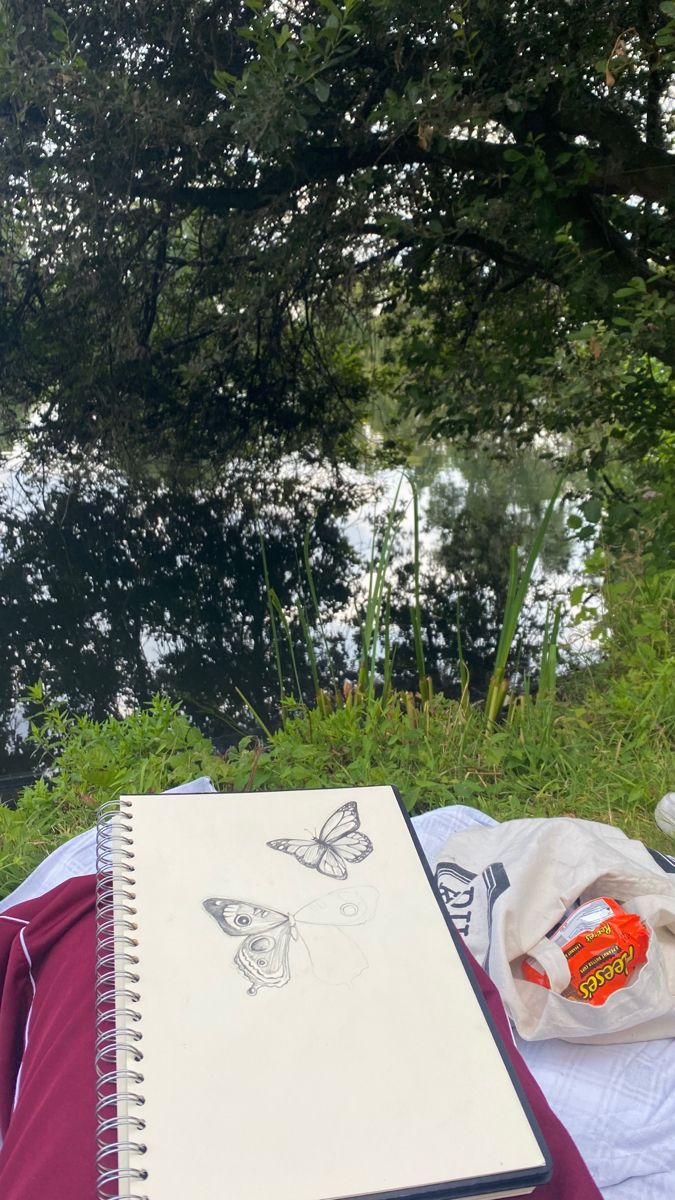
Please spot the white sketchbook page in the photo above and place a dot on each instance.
(313, 1090)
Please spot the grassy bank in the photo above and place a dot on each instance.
(599, 746)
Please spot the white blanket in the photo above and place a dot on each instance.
(618, 1102)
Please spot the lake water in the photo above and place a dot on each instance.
(112, 589)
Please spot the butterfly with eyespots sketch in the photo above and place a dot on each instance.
(339, 842)
(264, 955)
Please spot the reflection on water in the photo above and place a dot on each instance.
(474, 512)
(112, 590)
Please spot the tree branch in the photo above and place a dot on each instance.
(628, 165)
(326, 164)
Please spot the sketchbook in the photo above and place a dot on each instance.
(283, 1012)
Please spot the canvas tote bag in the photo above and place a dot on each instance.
(506, 886)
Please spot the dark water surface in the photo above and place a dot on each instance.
(112, 589)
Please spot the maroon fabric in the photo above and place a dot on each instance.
(47, 1043)
(49, 1138)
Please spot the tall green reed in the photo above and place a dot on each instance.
(416, 608)
(377, 649)
(372, 628)
(516, 593)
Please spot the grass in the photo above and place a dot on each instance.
(600, 748)
(597, 745)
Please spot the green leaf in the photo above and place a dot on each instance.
(321, 90)
(668, 7)
(223, 80)
(592, 510)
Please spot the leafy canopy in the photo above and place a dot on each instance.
(207, 202)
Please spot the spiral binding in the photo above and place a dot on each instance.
(118, 1054)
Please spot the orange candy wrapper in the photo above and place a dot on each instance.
(603, 945)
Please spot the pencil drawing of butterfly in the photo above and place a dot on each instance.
(263, 956)
(339, 842)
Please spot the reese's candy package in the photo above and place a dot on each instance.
(603, 946)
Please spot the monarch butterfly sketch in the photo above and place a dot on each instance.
(263, 956)
(338, 843)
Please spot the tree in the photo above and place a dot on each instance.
(206, 202)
